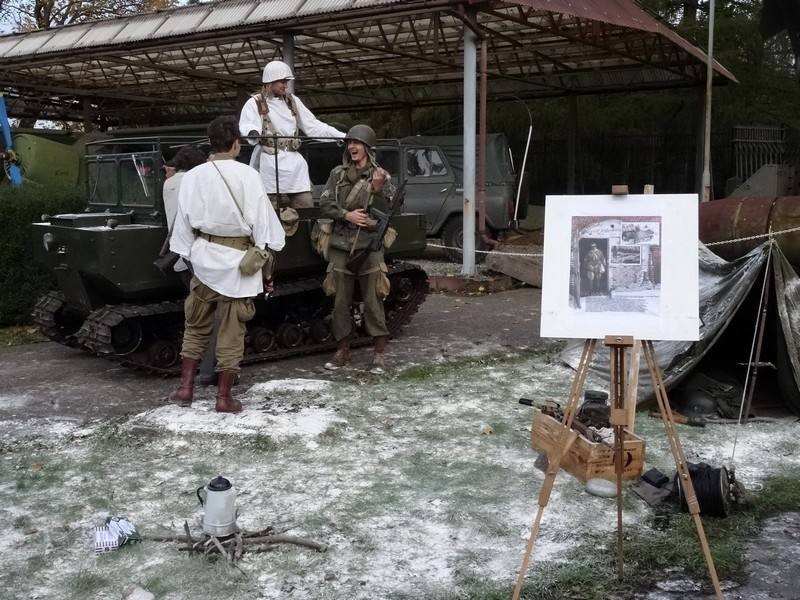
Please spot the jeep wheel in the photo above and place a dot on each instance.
(453, 240)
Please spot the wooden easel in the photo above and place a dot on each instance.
(620, 418)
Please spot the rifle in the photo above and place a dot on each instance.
(358, 258)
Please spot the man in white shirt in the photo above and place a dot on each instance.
(275, 112)
(222, 209)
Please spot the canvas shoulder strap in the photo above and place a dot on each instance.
(352, 198)
(263, 110)
(233, 197)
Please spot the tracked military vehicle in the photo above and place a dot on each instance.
(112, 301)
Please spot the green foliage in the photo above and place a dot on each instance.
(23, 281)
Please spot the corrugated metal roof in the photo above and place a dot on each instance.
(223, 15)
(274, 10)
(315, 7)
(179, 22)
(30, 43)
(192, 62)
(68, 38)
(9, 42)
(142, 28)
(100, 33)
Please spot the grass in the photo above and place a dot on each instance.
(20, 335)
(405, 465)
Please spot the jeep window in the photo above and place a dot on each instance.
(389, 159)
(424, 162)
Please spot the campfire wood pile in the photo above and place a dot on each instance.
(233, 547)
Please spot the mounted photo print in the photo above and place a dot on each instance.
(621, 265)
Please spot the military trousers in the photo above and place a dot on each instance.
(370, 281)
(292, 200)
(234, 313)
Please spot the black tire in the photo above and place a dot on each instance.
(453, 240)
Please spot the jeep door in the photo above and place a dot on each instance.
(430, 185)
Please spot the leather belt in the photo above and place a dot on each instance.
(237, 242)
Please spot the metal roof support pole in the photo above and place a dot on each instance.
(572, 142)
(87, 115)
(706, 196)
(470, 74)
(288, 58)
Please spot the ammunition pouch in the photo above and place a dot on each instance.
(289, 219)
(383, 285)
(330, 282)
(255, 259)
(321, 236)
(268, 144)
(390, 237)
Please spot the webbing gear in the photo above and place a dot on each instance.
(269, 144)
(238, 242)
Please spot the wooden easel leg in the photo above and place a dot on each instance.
(680, 458)
(632, 385)
(619, 346)
(566, 438)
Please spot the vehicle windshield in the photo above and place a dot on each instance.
(129, 180)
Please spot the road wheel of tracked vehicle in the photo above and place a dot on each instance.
(262, 340)
(402, 288)
(289, 335)
(126, 338)
(55, 320)
(320, 331)
(453, 240)
(164, 354)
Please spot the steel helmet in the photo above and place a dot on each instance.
(364, 134)
(276, 70)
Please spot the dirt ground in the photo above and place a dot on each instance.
(49, 383)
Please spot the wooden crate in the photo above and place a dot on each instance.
(587, 460)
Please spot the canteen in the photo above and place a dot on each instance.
(219, 519)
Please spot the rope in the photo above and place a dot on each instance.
(755, 237)
(771, 234)
(443, 247)
(753, 350)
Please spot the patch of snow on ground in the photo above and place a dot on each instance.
(421, 487)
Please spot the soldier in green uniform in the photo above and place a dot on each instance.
(353, 189)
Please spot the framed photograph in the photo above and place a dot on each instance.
(621, 265)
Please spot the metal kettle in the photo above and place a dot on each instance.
(220, 503)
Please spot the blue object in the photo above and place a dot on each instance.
(9, 158)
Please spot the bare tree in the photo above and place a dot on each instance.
(30, 15)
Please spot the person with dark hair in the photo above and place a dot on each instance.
(353, 189)
(223, 209)
(184, 160)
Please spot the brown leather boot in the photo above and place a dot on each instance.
(185, 392)
(225, 402)
(378, 359)
(341, 358)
